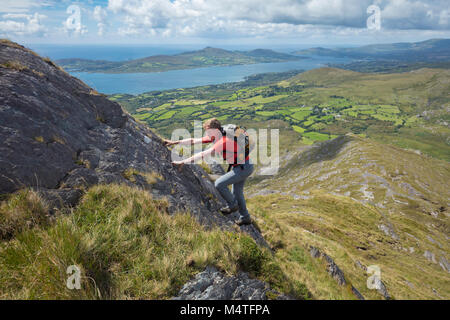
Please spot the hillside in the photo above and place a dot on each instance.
(362, 202)
(425, 51)
(206, 57)
(366, 204)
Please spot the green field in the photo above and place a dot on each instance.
(318, 105)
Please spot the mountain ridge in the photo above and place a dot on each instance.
(205, 57)
(425, 51)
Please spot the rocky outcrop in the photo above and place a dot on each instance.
(334, 270)
(212, 284)
(60, 136)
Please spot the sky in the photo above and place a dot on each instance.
(232, 22)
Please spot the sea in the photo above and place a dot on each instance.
(137, 83)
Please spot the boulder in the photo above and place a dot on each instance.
(211, 284)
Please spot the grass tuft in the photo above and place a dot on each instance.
(21, 211)
(39, 139)
(15, 65)
(126, 246)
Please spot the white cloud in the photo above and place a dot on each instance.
(20, 24)
(257, 18)
(227, 19)
(100, 15)
(13, 6)
(413, 14)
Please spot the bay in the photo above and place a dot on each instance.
(137, 83)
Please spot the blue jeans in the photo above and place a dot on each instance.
(236, 177)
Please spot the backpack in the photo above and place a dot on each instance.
(237, 132)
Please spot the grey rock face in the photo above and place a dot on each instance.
(430, 256)
(381, 288)
(59, 136)
(357, 293)
(216, 168)
(315, 253)
(333, 270)
(212, 284)
(443, 262)
(388, 230)
(360, 265)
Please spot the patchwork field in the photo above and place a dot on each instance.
(410, 110)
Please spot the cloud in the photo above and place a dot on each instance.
(258, 18)
(147, 16)
(13, 6)
(20, 24)
(412, 14)
(226, 19)
(100, 15)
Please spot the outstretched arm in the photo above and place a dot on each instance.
(195, 157)
(185, 142)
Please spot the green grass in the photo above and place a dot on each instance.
(167, 115)
(142, 116)
(347, 188)
(298, 129)
(127, 247)
(301, 115)
(14, 65)
(266, 113)
(21, 211)
(316, 136)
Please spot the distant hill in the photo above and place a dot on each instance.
(389, 66)
(206, 57)
(430, 50)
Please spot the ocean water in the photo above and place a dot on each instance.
(137, 83)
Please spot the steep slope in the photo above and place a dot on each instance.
(60, 136)
(364, 204)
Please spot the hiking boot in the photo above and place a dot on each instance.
(227, 210)
(243, 221)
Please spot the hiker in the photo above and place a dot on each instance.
(238, 171)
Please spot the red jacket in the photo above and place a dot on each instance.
(225, 146)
